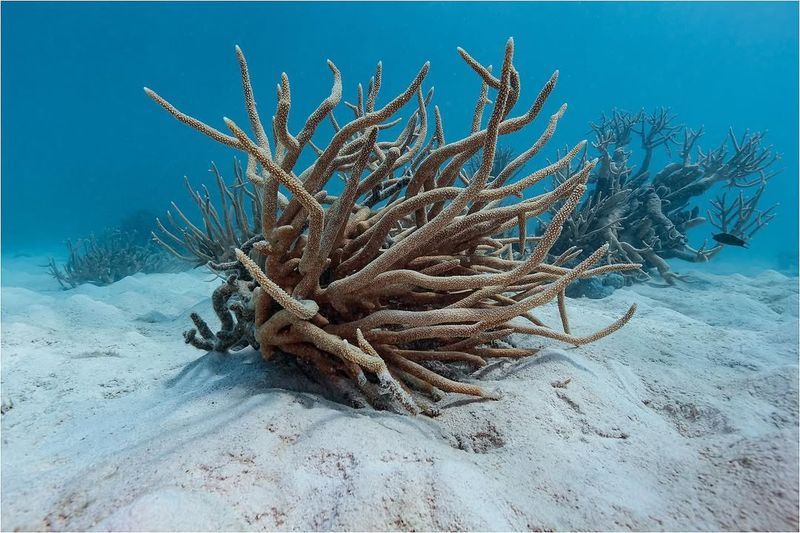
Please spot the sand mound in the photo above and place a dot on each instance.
(686, 419)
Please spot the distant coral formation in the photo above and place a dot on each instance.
(386, 287)
(644, 211)
(116, 253)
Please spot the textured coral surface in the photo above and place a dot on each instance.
(380, 288)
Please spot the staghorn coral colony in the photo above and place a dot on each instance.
(114, 254)
(384, 287)
(645, 213)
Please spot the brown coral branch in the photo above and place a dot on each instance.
(372, 295)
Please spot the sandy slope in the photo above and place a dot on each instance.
(686, 419)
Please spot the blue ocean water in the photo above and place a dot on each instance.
(83, 146)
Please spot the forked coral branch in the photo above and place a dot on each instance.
(404, 269)
(233, 223)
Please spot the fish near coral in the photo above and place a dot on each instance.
(730, 239)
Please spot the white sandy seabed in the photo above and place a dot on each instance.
(685, 419)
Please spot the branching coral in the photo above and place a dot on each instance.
(402, 272)
(234, 225)
(644, 214)
(113, 255)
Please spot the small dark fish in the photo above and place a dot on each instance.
(727, 238)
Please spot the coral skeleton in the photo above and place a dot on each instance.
(402, 276)
(235, 224)
(645, 214)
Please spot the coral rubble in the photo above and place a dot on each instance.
(383, 287)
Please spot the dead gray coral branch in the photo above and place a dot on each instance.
(646, 215)
(226, 224)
